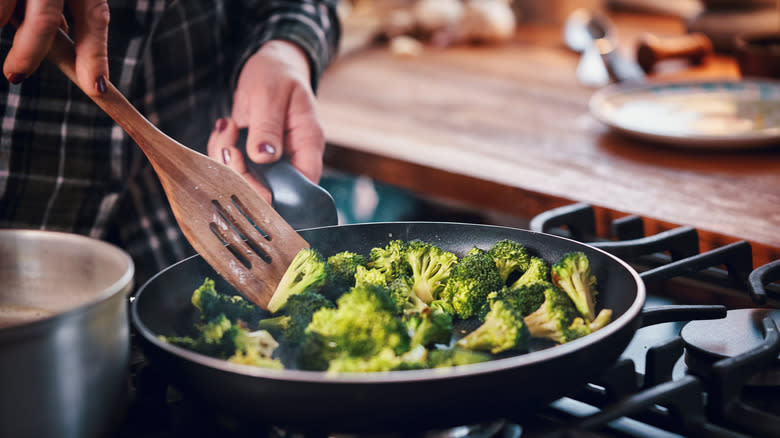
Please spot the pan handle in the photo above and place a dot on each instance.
(676, 313)
(299, 201)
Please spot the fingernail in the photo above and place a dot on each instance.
(226, 155)
(220, 125)
(16, 78)
(100, 84)
(267, 148)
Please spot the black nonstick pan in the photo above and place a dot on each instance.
(398, 400)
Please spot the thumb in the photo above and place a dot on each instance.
(90, 38)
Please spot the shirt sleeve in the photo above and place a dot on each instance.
(313, 25)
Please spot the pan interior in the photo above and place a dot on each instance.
(163, 305)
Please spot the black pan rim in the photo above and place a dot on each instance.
(407, 376)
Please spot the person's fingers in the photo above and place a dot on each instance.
(265, 138)
(33, 38)
(305, 138)
(90, 38)
(221, 147)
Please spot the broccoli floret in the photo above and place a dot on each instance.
(556, 318)
(538, 271)
(449, 357)
(363, 323)
(471, 280)
(510, 257)
(430, 268)
(224, 339)
(295, 316)
(212, 304)
(343, 265)
(572, 274)
(308, 271)
(502, 330)
(406, 301)
(374, 276)
(389, 259)
(429, 327)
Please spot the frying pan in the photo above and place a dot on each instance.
(397, 400)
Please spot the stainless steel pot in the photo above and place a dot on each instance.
(64, 334)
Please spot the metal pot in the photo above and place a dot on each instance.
(64, 334)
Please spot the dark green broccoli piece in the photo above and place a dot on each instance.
(449, 357)
(471, 280)
(308, 271)
(212, 304)
(502, 330)
(343, 265)
(572, 274)
(295, 315)
(431, 326)
(538, 271)
(510, 257)
(431, 267)
(231, 341)
(389, 259)
(363, 323)
(556, 318)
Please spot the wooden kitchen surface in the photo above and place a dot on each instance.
(507, 128)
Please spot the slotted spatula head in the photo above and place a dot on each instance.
(234, 229)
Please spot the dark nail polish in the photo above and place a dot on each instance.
(16, 78)
(226, 155)
(220, 125)
(100, 84)
(267, 148)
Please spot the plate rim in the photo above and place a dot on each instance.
(702, 141)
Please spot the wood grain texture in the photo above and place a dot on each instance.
(480, 124)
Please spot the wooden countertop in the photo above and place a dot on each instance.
(508, 128)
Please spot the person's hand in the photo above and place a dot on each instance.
(274, 99)
(39, 20)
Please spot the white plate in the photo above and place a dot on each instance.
(731, 114)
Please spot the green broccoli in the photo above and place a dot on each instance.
(389, 259)
(295, 316)
(364, 275)
(510, 257)
(343, 265)
(363, 323)
(212, 304)
(556, 318)
(406, 301)
(471, 280)
(431, 326)
(538, 271)
(449, 357)
(572, 273)
(431, 267)
(308, 271)
(231, 341)
(502, 330)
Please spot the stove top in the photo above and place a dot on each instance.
(708, 370)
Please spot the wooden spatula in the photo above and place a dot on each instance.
(234, 229)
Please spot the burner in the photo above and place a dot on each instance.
(708, 341)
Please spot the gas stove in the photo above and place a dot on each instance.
(712, 371)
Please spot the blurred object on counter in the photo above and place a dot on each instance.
(758, 54)
(439, 23)
(651, 49)
(723, 20)
(553, 11)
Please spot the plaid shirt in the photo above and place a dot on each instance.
(66, 166)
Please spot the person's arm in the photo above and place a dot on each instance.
(284, 54)
(39, 20)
